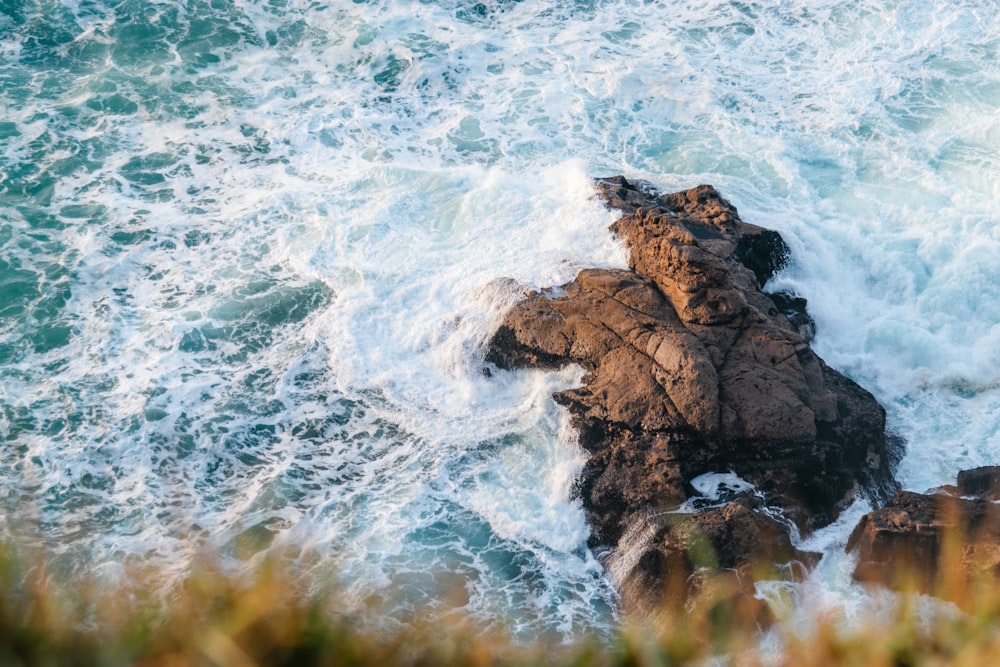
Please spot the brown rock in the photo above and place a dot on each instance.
(668, 558)
(691, 369)
(933, 543)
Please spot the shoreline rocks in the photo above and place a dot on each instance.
(693, 369)
(938, 542)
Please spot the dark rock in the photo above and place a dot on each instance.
(692, 369)
(933, 543)
(794, 308)
(981, 482)
(660, 559)
(764, 253)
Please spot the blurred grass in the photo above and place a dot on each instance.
(265, 619)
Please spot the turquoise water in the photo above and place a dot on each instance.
(250, 253)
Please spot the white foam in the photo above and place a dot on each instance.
(383, 167)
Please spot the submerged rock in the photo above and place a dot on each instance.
(692, 369)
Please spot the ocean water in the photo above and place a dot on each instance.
(250, 251)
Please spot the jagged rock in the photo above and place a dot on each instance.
(932, 542)
(691, 369)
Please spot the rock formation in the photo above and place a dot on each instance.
(693, 369)
(937, 542)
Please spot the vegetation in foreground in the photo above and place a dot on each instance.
(213, 619)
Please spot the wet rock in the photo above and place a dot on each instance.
(663, 558)
(932, 543)
(981, 482)
(794, 308)
(691, 369)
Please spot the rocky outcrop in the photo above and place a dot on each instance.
(693, 369)
(658, 559)
(983, 482)
(937, 542)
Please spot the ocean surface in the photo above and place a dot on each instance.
(251, 250)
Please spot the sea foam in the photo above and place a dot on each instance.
(250, 254)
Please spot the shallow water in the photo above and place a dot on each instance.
(250, 253)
